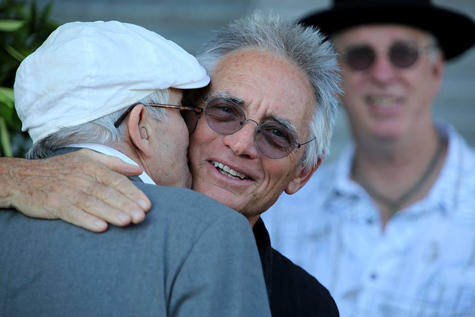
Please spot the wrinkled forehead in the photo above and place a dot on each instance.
(265, 83)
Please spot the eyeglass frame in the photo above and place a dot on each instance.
(420, 50)
(196, 109)
(243, 122)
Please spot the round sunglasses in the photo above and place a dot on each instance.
(273, 139)
(401, 55)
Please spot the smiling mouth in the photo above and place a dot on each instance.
(227, 171)
(383, 102)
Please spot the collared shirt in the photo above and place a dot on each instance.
(291, 290)
(104, 149)
(423, 264)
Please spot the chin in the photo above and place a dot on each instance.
(388, 131)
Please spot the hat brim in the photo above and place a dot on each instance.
(203, 82)
(455, 32)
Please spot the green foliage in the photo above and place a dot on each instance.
(23, 28)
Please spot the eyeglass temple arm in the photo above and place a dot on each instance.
(125, 114)
(299, 145)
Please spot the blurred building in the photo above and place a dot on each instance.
(190, 22)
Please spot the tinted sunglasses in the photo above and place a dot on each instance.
(401, 55)
(272, 139)
(182, 109)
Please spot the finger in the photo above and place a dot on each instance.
(97, 208)
(112, 204)
(123, 185)
(51, 205)
(114, 163)
(124, 189)
(94, 205)
(78, 217)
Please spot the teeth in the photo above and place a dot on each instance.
(226, 170)
(382, 101)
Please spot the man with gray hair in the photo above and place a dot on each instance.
(264, 128)
(116, 88)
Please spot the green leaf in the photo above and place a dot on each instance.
(7, 109)
(10, 25)
(5, 139)
(10, 117)
(6, 113)
(7, 96)
(14, 53)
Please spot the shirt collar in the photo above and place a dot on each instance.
(443, 191)
(107, 150)
(343, 184)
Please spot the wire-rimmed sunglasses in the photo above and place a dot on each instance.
(401, 55)
(273, 139)
(182, 109)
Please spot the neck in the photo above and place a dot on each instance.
(396, 154)
(397, 173)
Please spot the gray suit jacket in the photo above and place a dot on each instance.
(190, 257)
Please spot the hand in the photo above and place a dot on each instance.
(83, 188)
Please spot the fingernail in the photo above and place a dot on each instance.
(137, 215)
(123, 218)
(142, 203)
(100, 224)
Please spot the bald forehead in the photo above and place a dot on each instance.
(266, 83)
(254, 63)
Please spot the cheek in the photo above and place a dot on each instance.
(180, 130)
(202, 134)
(185, 137)
(195, 145)
(278, 172)
(352, 83)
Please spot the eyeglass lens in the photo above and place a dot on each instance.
(401, 55)
(191, 119)
(273, 140)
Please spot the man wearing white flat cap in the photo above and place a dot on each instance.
(116, 88)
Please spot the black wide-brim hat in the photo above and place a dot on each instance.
(454, 31)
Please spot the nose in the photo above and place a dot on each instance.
(242, 142)
(382, 71)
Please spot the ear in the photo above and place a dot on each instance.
(437, 73)
(139, 130)
(302, 177)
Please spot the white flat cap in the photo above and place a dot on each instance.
(86, 70)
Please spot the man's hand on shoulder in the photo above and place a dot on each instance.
(84, 188)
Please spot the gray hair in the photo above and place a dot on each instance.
(303, 47)
(101, 131)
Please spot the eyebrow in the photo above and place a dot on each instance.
(226, 96)
(240, 102)
(286, 123)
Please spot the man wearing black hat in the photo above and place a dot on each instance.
(392, 231)
(422, 262)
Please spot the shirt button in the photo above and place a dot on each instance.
(370, 221)
(373, 276)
